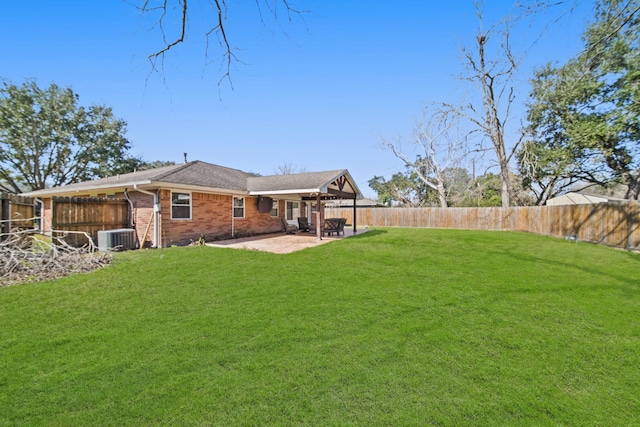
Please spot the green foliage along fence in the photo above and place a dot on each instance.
(88, 215)
(15, 212)
(615, 223)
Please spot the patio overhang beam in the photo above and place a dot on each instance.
(315, 198)
(331, 194)
(341, 194)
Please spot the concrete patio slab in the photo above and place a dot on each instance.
(280, 243)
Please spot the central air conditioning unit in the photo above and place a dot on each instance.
(116, 240)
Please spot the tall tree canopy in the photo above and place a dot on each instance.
(585, 115)
(46, 139)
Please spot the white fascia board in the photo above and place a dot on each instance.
(129, 185)
(56, 191)
(282, 192)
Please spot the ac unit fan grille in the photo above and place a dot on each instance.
(113, 240)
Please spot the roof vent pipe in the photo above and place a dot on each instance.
(185, 157)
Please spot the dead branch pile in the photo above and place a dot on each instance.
(26, 258)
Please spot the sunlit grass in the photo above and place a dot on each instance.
(393, 327)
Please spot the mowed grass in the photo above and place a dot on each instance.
(393, 327)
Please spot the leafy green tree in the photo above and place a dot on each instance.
(144, 165)
(403, 189)
(585, 115)
(409, 189)
(488, 190)
(458, 185)
(462, 190)
(46, 139)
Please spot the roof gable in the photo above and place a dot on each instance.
(298, 181)
(332, 182)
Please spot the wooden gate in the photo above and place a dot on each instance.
(16, 212)
(88, 215)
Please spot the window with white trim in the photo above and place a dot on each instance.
(180, 205)
(275, 207)
(238, 207)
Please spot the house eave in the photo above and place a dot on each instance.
(129, 186)
(287, 192)
(65, 191)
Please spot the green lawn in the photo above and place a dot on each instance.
(393, 327)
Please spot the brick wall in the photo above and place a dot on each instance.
(210, 216)
(142, 216)
(256, 223)
(46, 215)
(207, 218)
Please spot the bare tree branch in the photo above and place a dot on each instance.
(25, 258)
(218, 27)
(441, 148)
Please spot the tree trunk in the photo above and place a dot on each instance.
(633, 186)
(441, 195)
(493, 126)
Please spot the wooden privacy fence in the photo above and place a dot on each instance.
(613, 223)
(16, 212)
(88, 215)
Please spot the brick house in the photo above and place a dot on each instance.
(179, 203)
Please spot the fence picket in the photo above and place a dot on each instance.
(16, 212)
(614, 223)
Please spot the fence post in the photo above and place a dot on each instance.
(5, 215)
(632, 215)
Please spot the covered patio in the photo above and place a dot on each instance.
(311, 190)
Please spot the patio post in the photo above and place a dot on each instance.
(355, 228)
(319, 216)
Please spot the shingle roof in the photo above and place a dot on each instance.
(207, 176)
(195, 173)
(299, 181)
(112, 181)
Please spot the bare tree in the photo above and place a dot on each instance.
(492, 75)
(288, 169)
(441, 147)
(177, 14)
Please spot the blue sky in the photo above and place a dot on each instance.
(317, 93)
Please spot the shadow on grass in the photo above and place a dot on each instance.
(369, 233)
(611, 274)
